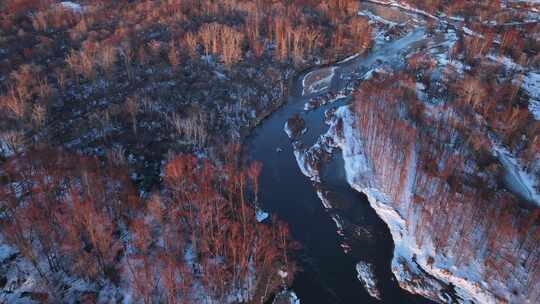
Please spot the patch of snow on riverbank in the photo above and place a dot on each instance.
(325, 201)
(366, 275)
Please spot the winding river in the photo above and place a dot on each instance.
(327, 274)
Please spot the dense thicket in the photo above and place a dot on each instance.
(76, 217)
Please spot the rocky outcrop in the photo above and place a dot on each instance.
(309, 159)
(295, 126)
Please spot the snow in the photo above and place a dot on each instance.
(410, 262)
(286, 297)
(326, 202)
(355, 161)
(313, 104)
(421, 92)
(290, 133)
(508, 63)
(314, 86)
(261, 215)
(337, 221)
(375, 18)
(531, 84)
(293, 299)
(366, 275)
(220, 75)
(5, 150)
(527, 1)
(72, 6)
(308, 159)
(534, 108)
(442, 57)
(516, 178)
(352, 57)
(22, 279)
(404, 7)
(305, 165)
(470, 32)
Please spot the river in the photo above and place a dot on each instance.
(326, 273)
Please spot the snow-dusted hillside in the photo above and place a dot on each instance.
(420, 264)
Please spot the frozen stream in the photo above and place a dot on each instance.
(327, 274)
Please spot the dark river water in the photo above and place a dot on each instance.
(327, 274)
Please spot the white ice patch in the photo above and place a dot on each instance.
(314, 86)
(366, 275)
(261, 215)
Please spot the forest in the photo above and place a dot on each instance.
(177, 75)
(88, 209)
(123, 174)
(452, 189)
(74, 216)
